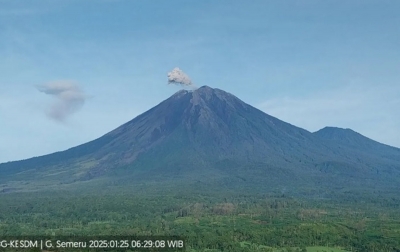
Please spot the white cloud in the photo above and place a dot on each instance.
(70, 98)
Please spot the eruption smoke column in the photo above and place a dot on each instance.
(178, 77)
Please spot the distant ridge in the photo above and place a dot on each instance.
(352, 139)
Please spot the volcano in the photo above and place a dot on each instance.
(210, 136)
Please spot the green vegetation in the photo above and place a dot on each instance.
(210, 221)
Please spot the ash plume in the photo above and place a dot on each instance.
(69, 98)
(178, 77)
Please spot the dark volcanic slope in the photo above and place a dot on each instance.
(209, 134)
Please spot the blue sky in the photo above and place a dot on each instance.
(309, 63)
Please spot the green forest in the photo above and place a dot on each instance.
(211, 221)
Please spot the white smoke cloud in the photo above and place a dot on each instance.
(178, 77)
(69, 98)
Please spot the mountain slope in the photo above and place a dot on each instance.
(210, 135)
(354, 140)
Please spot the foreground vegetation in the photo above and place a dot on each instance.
(211, 221)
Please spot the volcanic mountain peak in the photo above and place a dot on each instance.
(210, 131)
(205, 89)
(180, 93)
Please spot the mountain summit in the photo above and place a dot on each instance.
(210, 135)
